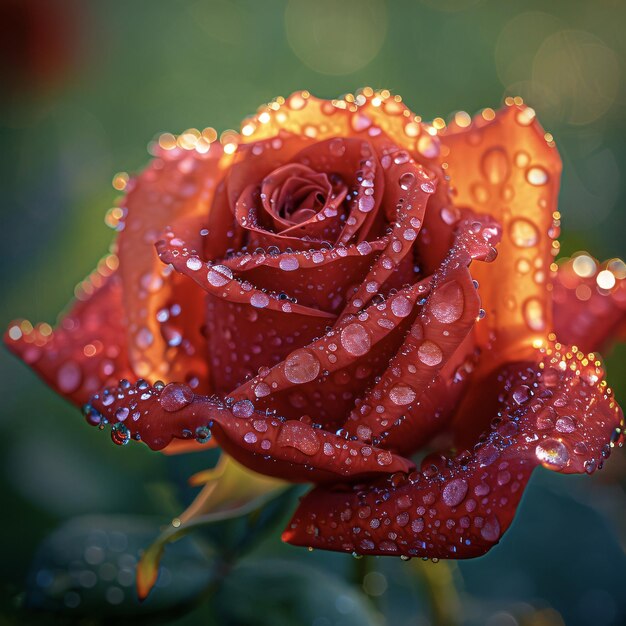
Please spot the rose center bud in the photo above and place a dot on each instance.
(294, 194)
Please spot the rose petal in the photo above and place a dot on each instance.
(324, 378)
(589, 302)
(406, 198)
(267, 444)
(447, 317)
(507, 168)
(462, 508)
(87, 349)
(332, 273)
(178, 186)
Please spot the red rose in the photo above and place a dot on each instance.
(314, 301)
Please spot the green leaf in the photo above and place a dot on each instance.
(87, 568)
(276, 592)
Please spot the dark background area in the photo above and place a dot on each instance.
(85, 87)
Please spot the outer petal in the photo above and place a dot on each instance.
(88, 347)
(557, 413)
(267, 444)
(165, 313)
(590, 302)
(506, 167)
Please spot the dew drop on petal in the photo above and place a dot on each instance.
(175, 396)
(495, 166)
(401, 306)
(301, 366)
(454, 492)
(552, 454)
(491, 529)
(430, 353)
(523, 232)
(355, 339)
(402, 395)
(194, 263)
(566, 424)
(299, 436)
(447, 303)
(537, 176)
(262, 390)
(289, 263)
(534, 314)
(407, 180)
(219, 275)
(259, 300)
(243, 408)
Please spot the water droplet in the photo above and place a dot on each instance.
(537, 176)
(194, 263)
(366, 203)
(552, 454)
(301, 366)
(430, 353)
(401, 306)
(495, 166)
(243, 409)
(262, 390)
(259, 300)
(534, 314)
(491, 529)
(289, 263)
(355, 339)
(407, 180)
(219, 275)
(523, 232)
(175, 396)
(297, 435)
(566, 424)
(120, 434)
(446, 302)
(455, 491)
(402, 395)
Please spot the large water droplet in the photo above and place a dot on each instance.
(552, 454)
(299, 436)
(495, 166)
(175, 396)
(401, 306)
(430, 353)
(301, 366)
(289, 263)
(455, 491)
(402, 395)
(219, 275)
(355, 339)
(537, 176)
(534, 314)
(447, 303)
(523, 232)
(259, 300)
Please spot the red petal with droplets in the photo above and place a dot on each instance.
(557, 413)
(85, 351)
(447, 317)
(270, 445)
(589, 302)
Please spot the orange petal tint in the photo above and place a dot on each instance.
(505, 167)
(164, 313)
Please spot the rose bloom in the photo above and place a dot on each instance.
(336, 289)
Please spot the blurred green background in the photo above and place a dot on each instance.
(85, 87)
